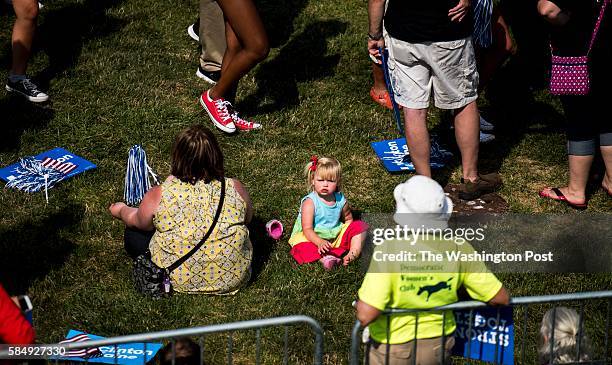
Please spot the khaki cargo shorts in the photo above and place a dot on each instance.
(448, 68)
(428, 352)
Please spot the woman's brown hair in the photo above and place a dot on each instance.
(196, 155)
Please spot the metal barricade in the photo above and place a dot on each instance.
(522, 303)
(200, 332)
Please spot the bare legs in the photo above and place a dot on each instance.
(467, 128)
(579, 168)
(466, 133)
(26, 12)
(606, 153)
(417, 139)
(247, 43)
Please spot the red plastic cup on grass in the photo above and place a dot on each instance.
(274, 228)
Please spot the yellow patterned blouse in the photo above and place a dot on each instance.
(223, 264)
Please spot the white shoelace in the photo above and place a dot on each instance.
(30, 86)
(241, 121)
(221, 106)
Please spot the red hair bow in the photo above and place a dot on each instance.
(314, 160)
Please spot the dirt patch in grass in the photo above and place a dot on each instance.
(489, 203)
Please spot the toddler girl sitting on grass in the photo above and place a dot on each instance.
(324, 230)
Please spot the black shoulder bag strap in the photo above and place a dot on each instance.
(180, 261)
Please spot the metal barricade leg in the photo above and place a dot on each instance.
(258, 346)
(552, 337)
(607, 329)
(201, 344)
(388, 345)
(286, 346)
(416, 327)
(524, 339)
(230, 349)
(443, 340)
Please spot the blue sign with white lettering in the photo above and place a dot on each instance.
(395, 156)
(126, 354)
(62, 163)
(488, 338)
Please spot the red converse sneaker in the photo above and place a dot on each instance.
(218, 113)
(244, 125)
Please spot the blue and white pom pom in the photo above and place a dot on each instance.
(483, 12)
(31, 176)
(137, 181)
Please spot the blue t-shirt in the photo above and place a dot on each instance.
(327, 224)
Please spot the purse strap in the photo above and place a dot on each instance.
(180, 261)
(601, 14)
(597, 24)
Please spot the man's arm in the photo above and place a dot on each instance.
(501, 298)
(376, 12)
(366, 314)
(141, 217)
(552, 13)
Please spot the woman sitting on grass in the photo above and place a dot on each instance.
(174, 217)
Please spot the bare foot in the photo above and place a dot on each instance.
(350, 257)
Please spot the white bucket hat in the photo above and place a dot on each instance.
(422, 195)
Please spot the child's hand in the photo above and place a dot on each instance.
(115, 209)
(350, 257)
(324, 247)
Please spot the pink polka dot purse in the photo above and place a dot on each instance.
(570, 75)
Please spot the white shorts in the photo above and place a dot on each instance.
(449, 68)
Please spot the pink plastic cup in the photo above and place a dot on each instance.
(275, 229)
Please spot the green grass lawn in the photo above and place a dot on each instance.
(122, 72)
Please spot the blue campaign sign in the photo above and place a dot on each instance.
(395, 156)
(66, 163)
(488, 338)
(127, 354)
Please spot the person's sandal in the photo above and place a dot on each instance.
(382, 99)
(488, 183)
(561, 198)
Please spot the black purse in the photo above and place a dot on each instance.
(154, 281)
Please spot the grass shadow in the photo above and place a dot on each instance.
(262, 246)
(303, 58)
(65, 30)
(20, 115)
(34, 248)
(531, 35)
(61, 35)
(277, 17)
(516, 112)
